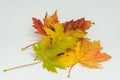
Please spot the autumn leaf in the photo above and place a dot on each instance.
(81, 24)
(49, 21)
(55, 43)
(37, 24)
(86, 53)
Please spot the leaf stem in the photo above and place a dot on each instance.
(70, 71)
(26, 65)
(28, 46)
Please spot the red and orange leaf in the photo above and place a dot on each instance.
(50, 21)
(81, 24)
(37, 24)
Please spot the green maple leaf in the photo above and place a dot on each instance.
(55, 43)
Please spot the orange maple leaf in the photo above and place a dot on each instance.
(85, 52)
(50, 21)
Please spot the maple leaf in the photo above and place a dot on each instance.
(81, 24)
(85, 52)
(49, 21)
(37, 24)
(55, 43)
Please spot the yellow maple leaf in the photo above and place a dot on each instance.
(85, 52)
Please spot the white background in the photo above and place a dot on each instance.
(16, 31)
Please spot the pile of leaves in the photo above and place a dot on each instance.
(65, 44)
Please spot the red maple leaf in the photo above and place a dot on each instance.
(81, 24)
(37, 24)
